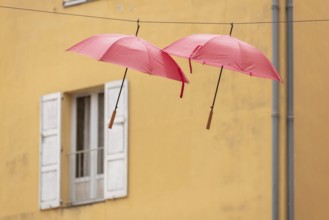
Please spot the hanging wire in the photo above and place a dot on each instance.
(162, 22)
(68, 14)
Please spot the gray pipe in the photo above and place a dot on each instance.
(275, 112)
(290, 115)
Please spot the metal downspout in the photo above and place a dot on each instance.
(275, 112)
(290, 110)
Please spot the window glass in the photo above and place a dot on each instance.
(83, 136)
(100, 155)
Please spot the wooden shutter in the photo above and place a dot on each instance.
(50, 146)
(116, 142)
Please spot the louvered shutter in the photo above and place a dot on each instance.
(116, 142)
(50, 145)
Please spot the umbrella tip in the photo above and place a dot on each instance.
(137, 27)
(231, 28)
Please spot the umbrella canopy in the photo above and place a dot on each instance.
(223, 51)
(131, 52)
(226, 51)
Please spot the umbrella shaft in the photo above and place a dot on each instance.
(124, 76)
(123, 81)
(220, 75)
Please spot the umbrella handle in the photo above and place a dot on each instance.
(209, 119)
(112, 119)
(182, 90)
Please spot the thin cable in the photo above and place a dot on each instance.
(68, 14)
(162, 22)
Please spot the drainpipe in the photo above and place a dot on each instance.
(275, 112)
(290, 110)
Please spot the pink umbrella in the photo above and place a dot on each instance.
(223, 51)
(131, 52)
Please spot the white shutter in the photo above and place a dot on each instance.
(116, 142)
(50, 145)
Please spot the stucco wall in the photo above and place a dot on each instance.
(311, 111)
(177, 168)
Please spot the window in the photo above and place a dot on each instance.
(67, 3)
(98, 158)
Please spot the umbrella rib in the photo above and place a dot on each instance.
(148, 59)
(110, 47)
(195, 53)
(242, 68)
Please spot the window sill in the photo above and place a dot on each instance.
(87, 202)
(87, 178)
(74, 2)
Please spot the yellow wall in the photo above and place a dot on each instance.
(177, 168)
(311, 111)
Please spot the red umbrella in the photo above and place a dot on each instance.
(131, 52)
(223, 51)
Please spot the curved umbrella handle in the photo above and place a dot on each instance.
(112, 119)
(209, 119)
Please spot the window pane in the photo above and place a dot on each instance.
(100, 159)
(83, 136)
